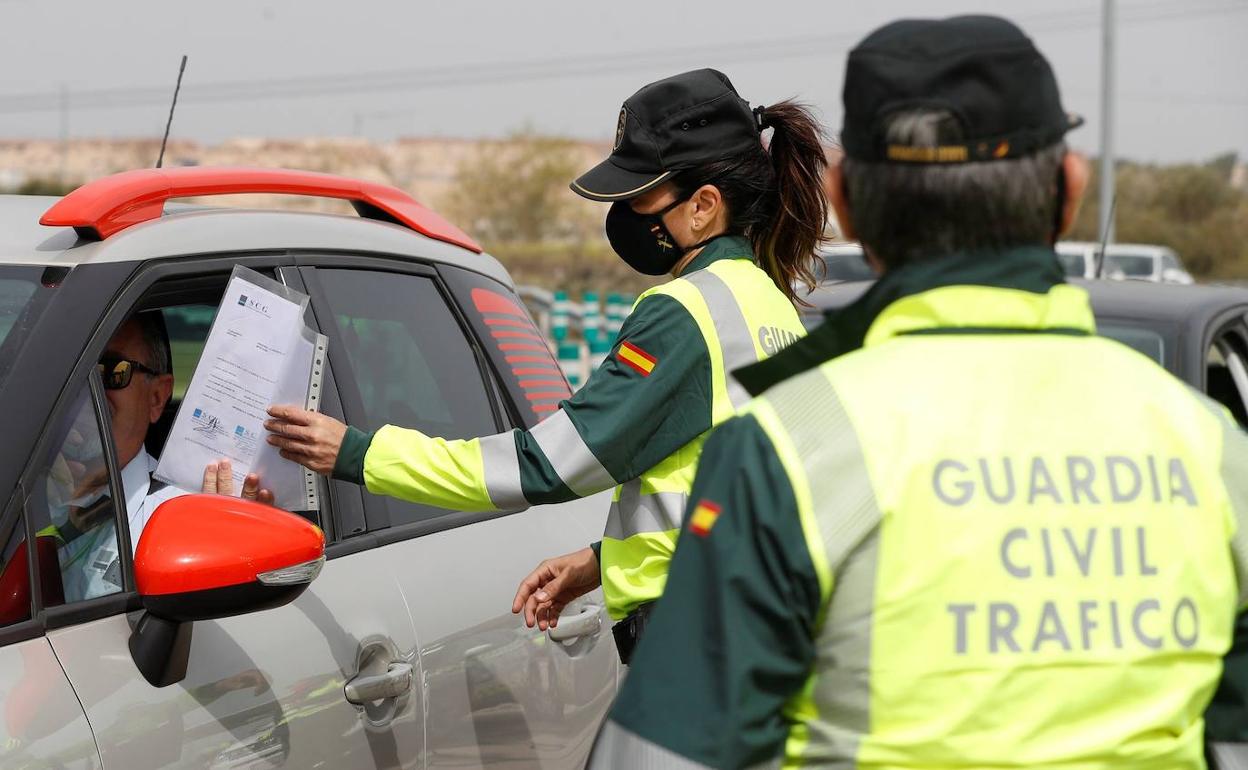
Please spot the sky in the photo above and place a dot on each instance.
(478, 68)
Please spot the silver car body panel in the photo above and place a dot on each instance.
(502, 695)
(263, 690)
(43, 725)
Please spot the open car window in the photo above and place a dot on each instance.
(1226, 370)
(72, 506)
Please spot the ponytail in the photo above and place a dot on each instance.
(775, 195)
(786, 244)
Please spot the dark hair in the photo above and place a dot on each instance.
(155, 339)
(775, 194)
(905, 212)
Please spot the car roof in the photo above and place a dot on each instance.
(1126, 300)
(186, 230)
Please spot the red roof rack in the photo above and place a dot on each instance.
(106, 206)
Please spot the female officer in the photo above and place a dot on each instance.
(694, 193)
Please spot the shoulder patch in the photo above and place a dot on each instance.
(641, 361)
(704, 517)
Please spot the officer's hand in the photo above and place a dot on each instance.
(219, 480)
(556, 582)
(309, 438)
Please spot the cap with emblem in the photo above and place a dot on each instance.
(669, 126)
(982, 69)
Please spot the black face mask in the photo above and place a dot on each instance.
(643, 241)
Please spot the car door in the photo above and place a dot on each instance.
(41, 722)
(262, 690)
(499, 695)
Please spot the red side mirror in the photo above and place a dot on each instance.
(211, 556)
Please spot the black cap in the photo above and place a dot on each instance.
(671, 125)
(983, 69)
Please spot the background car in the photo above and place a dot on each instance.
(1198, 333)
(424, 331)
(845, 262)
(1144, 262)
(1124, 261)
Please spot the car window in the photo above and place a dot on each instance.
(18, 307)
(1168, 261)
(410, 360)
(1145, 341)
(188, 327)
(70, 503)
(1132, 265)
(521, 356)
(1227, 375)
(1072, 264)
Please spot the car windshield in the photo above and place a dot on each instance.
(1072, 264)
(19, 305)
(847, 267)
(1132, 265)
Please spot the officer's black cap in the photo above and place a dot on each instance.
(669, 126)
(982, 69)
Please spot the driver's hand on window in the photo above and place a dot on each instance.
(219, 480)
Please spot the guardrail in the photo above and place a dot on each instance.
(580, 332)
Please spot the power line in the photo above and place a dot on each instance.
(511, 72)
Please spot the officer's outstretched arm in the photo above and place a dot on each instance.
(648, 399)
(731, 642)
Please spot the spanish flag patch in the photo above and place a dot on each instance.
(703, 518)
(641, 361)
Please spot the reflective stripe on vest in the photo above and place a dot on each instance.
(736, 307)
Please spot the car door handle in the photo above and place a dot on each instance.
(586, 622)
(365, 689)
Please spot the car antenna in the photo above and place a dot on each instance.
(160, 160)
(1100, 257)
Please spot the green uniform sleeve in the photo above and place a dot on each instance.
(649, 398)
(631, 419)
(732, 640)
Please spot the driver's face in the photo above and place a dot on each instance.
(135, 407)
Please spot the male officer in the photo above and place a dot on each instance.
(959, 528)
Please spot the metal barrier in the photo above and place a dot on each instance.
(581, 334)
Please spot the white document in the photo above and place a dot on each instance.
(259, 352)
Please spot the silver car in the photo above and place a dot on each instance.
(402, 653)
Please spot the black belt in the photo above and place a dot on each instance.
(628, 631)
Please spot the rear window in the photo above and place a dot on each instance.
(19, 305)
(518, 351)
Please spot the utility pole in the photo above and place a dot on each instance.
(1107, 122)
(64, 171)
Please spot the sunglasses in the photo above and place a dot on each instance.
(117, 372)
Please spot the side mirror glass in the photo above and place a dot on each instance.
(210, 556)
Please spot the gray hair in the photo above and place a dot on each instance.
(155, 339)
(906, 212)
